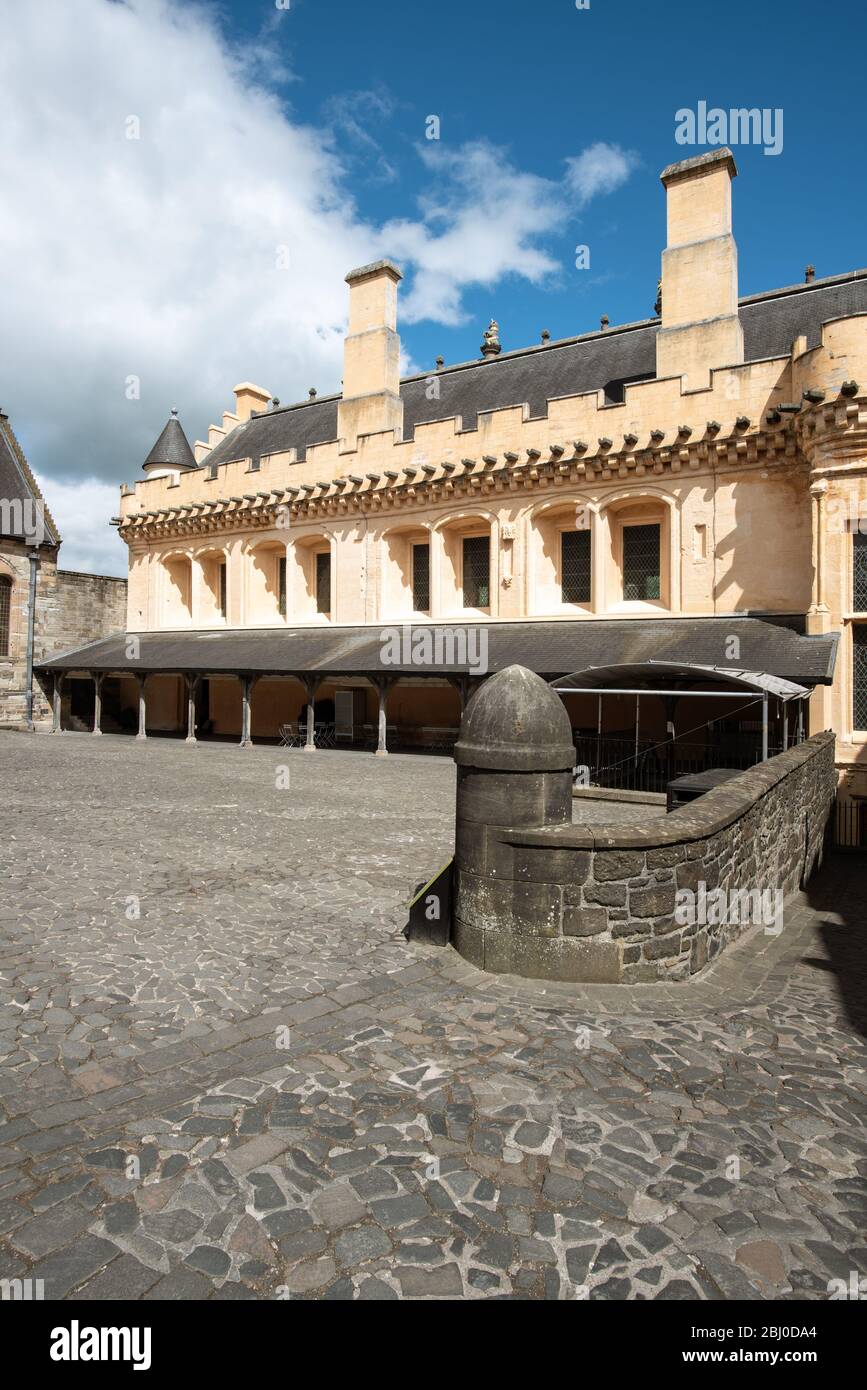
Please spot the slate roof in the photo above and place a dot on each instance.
(535, 375)
(17, 484)
(550, 648)
(172, 447)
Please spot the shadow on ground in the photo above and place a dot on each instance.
(837, 896)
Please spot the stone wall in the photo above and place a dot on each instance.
(71, 609)
(598, 903)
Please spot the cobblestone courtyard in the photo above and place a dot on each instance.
(225, 1074)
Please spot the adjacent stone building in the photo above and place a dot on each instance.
(666, 509)
(68, 609)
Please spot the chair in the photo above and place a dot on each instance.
(289, 735)
(325, 736)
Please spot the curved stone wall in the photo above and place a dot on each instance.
(607, 903)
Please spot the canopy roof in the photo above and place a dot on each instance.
(658, 676)
(677, 646)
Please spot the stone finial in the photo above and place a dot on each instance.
(491, 346)
(809, 274)
(515, 722)
(603, 322)
(311, 394)
(657, 308)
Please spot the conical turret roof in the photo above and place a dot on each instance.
(172, 449)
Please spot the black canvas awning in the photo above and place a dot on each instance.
(552, 649)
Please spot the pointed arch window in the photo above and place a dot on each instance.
(5, 614)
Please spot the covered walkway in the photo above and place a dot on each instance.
(404, 685)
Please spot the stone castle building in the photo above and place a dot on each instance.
(43, 609)
(670, 513)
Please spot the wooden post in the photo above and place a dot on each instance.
(56, 696)
(192, 687)
(383, 685)
(246, 689)
(142, 708)
(310, 745)
(97, 701)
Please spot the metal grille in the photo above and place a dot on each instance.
(323, 582)
(421, 578)
(575, 566)
(477, 572)
(850, 828)
(281, 586)
(859, 675)
(5, 606)
(859, 572)
(640, 562)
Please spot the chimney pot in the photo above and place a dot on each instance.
(700, 328)
(371, 399)
(249, 398)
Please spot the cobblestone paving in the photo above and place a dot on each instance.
(225, 1074)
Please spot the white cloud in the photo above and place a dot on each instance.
(601, 168)
(160, 257)
(82, 509)
(483, 219)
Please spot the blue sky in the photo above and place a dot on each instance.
(546, 80)
(179, 216)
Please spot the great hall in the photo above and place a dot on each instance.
(659, 516)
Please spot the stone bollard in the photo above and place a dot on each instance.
(515, 757)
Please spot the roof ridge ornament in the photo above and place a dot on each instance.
(491, 346)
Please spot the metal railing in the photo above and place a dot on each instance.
(850, 825)
(614, 761)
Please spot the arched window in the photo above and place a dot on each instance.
(5, 613)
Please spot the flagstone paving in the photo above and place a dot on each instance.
(225, 1074)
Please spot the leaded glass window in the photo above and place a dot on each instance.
(223, 590)
(5, 613)
(421, 578)
(859, 675)
(575, 566)
(323, 582)
(641, 563)
(859, 571)
(281, 586)
(477, 572)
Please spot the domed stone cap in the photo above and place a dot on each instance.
(515, 722)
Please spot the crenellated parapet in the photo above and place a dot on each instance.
(659, 429)
(830, 383)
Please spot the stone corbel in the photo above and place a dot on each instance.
(507, 537)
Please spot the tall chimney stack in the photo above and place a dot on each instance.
(700, 327)
(371, 356)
